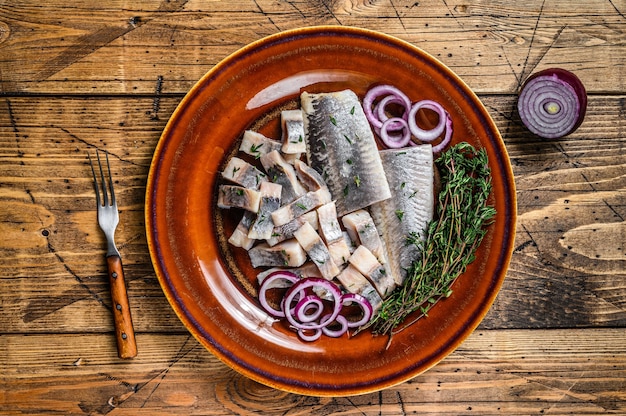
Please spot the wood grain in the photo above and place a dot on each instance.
(84, 75)
(493, 46)
(493, 372)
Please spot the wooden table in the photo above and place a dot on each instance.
(84, 75)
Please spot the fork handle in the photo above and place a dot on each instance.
(124, 332)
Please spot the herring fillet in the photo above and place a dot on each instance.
(243, 173)
(286, 254)
(239, 237)
(256, 144)
(342, 148)
(263, 225)
(281, 172)
(317, 251)
(285, 231)
(411, 207)
(231, 196)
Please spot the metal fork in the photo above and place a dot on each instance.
(108, 218)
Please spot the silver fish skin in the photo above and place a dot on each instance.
(281, 172)
(329, 223)
(366, 263)
(232, 196)
(411, 180)
(243, 173)
(332, 233)
(342, 148)
(239, 237)
(354, 282)
(317, 251)
(263, 225)
(285, 231)
(308, 176)
(302, 205)
(256, 144)
(292, 125)
(363, 231)
(286, 254)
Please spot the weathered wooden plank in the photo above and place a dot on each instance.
(493, 372)
(567, 269)
(53, 48)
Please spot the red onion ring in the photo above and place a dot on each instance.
(552, 103)
(303, 308)
(304, 336)
(279, 279)
(384, 102)
(363, 303)
(376, 92)
(303, 284)
(308, 308)
(336, 333)
(446, 139)
(427, 135)
(395, 141)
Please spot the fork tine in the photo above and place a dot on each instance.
(104, 183)
(110, 179)
(95, 180)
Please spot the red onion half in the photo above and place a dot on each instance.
(552, 103)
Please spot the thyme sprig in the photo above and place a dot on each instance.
(451, 240)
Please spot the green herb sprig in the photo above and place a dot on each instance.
(451, 240)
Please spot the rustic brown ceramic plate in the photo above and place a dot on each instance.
(211, 286)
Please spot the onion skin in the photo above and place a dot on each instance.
(546, 81)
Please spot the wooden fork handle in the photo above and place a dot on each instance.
(124, 332)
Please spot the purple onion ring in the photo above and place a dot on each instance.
(427, 135)
(373, 94)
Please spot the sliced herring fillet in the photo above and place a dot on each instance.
(281, 172)
(362, 230)
(329, 223)
(354, 282)
(286, 254)
(243, 173)
(349, 242)
(239, 237)
(339, 251)
(256, 144)
(292, 132)
(263, 225)
(317, 251)
(309, 177)
(411, 207)
(342, 148)
(232, 196)
(285, 231)
(366, 263)
(332, 233)
(302, 205)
